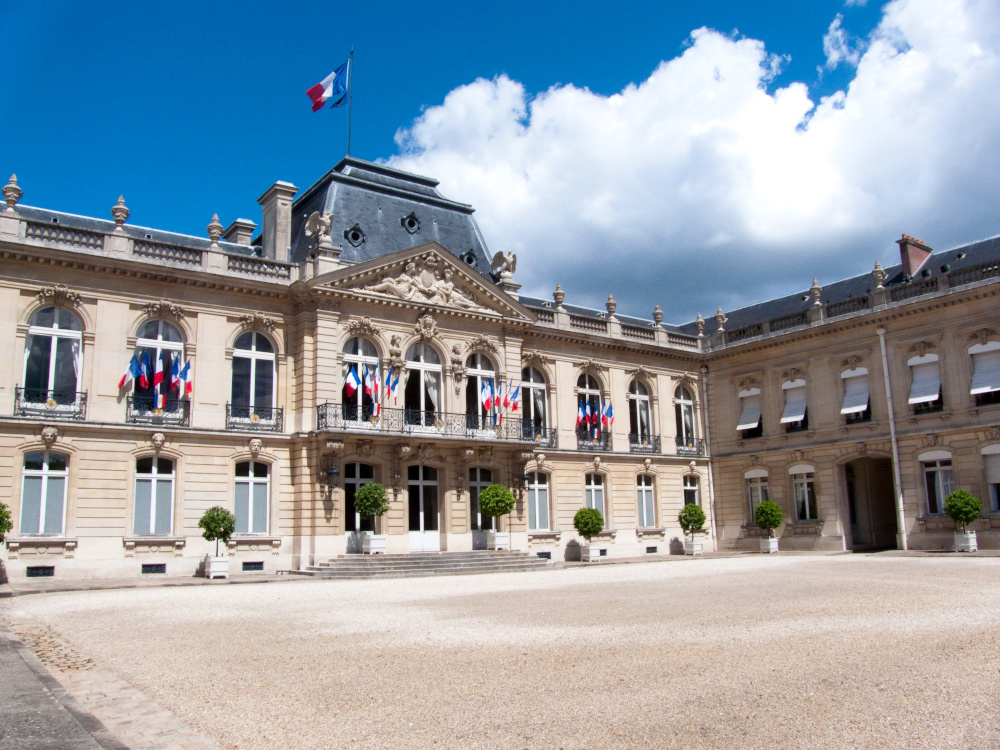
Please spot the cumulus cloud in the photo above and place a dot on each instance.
(697, 187)
(837, 46)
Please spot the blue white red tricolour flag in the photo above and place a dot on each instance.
(608, 415)
(133, 371)
(515, 397)
(352, 381)
(376, 396)
(145, 372)
(185, 378)
(334, 86)
(158, 372)
(394, 388)
(484, 394)
(588, 416)
(579, 416)
(369, 382)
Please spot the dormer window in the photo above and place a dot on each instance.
(410, 223)
(355, 236)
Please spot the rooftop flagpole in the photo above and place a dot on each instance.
(350, 97)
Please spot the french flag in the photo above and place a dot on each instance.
(145, 371)
(515, 397)
(352, 381)
(579, 416)
(186, 378)
(608, 415)
(377, 381)
(369, 384)
(175, 373)
(587, 416)
(394, 388)
(333, 86)
(484, 394)
(134, 371)
(158, 374)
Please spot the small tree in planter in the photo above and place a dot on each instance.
(768, 516)
(497, 501)
(588, 523)
(692, 520)
(964, 508)
(217, 524)
(372, 501)
(5, 522)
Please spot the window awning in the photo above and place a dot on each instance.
(992, 468)
(795, 405)
(750, 414)
(986, 372)
(926, 383)
(855, 395)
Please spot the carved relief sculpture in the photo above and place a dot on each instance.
(362, 327)
(425, 327)
(424, 283)
(318, 226)
(163, 309)
(257, 320)
(58, 294)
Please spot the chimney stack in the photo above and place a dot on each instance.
(277, 223)
(240, 232)
(912, 254)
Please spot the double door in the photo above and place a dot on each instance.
(425, 511)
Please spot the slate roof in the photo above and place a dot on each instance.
(377, 198)
(938, 264)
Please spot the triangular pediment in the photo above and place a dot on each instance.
(424, 276)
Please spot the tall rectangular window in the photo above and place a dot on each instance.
(691, 494)
(647, 503)
(252, 484)
(925, 384)
(43, 493)
(985, 373)
(938, 483)
(594, 494)
(154, 496)
(993, 479)
(538, 501)
(756, 493)
(749, 425)
(794, 415)
(856, 406)
(804, 491)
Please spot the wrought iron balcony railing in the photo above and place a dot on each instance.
(690, 446)
(143, 410)
(586, 440)
(256, 418)
(334, 416)
(644, 443)
(37, 402)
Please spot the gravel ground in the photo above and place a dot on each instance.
(754, 652)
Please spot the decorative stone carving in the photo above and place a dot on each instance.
(396, 353)
(365, 447)
(596, 462)
(426, 285)
(503, 266)
(590, 365)
(641, 373)
(120, 213)
(646, 463)
(481, 343)
(558, 295)
(403, 449)
(814, 291)
(469, 453)
(163, 309)
(214, 230)
(427, 452)
(853, 362)
(754, 459)
(797, 455)
(540, 459)
(611, 306)
(746, 384)
(256, 445)
(920, 348)
(259, 321)
(487, 453)
(363, 327)
(861, 448)
(157, 440)
(930, 439)
(982, 336)
(700, 324)
(11, 193)
(52, 295)
(425, 327)
(49, 435)
(995, 432)
(533, 359)
(657, 315)
(792, 373)
(333, 447)
(318, 226)
(720, 319)
(879, 275)
(458, 369)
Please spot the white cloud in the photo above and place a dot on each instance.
(837, 46)
(698, 188)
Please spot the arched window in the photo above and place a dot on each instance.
(532, 403)
(355, 476)
(686, 440)
(691, 494)
(43, 493)
(588, 413)
(154, 496)
(537, 486)
(52, 358)
(422, 392)
(159, 345)
(646, 500)
(594, 494)
(640, 431)
(252, 494)
(253, 378)
(481, 388)
(360, 361)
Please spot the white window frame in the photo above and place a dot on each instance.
(424, 370)
(252, 481)
(757, 489)
(683, 409)
(750, 409)
(358, 361)
(645, 490)
(589, 393)
(476, 485)
(594, 494)
(155, 478)
(528, 405)
(156, 346)
(639, 405)
(479, 368)
(266, 359)
(691, 485)
(538, 497)
(357, 482)
(937, 467)
(991, 461)
(804, 492)
(54, 333)
(45, 474)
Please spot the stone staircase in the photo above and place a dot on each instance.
(418, 564)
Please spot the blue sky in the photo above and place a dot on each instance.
(195, 108)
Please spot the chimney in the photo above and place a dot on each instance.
(912, 254)
(277, 222)
(240, 232)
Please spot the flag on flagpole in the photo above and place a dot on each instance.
(369, 385)
(484, 394)
(186, 378)
(515, 397)
(506, 396)
(493, 398)
(175, 373)
(579, 416)
(394, 388)
(133, 371)
(334, 86)
(145, 371)
(610, 418)
(352, 381)
(377, 395)
(587, 416)
(158, 371)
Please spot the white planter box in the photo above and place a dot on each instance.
(498, 540)
(216, 567)
(769, 545)
(590, 553)
(966, 542)
(373, 544)
(693, 546)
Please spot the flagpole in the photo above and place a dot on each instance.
(350, 97)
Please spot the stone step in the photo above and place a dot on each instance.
(425, 564)
(367, 575)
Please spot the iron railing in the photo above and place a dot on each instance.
(256, 418)
(689, 446)
(143, 410)
(644, 443)
(586, 440)
(334, 416)
(38, 402)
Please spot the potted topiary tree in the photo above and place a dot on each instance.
(768, 516)
(497, 501)
(5, 523)
(588, 523)
(371, 501)
(217, 524)
(964, 508)
(692, 519)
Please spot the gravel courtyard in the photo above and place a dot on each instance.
(750, 652)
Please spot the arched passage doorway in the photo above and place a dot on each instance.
(871, 503)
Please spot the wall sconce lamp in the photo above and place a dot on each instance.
(331, 475)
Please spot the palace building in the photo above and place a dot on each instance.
(367, 334)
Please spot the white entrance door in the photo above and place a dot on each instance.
(425, 515)
(479, 479)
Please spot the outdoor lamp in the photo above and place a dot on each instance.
(331, 476)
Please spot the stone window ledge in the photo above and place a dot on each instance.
(943, 523)
(544, 536)
(154, 544)
(640, 533)
(40, 545)
(253, 543)
(608, 535)
(801, 528)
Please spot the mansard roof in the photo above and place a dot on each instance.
(378, 200)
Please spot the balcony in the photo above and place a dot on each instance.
(689, 446)
(587, 441)
(333, 416)
(35, 402)
(644, 443)
(255, 418)
(143, 410)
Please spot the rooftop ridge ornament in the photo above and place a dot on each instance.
(559, 295)
(214, 230)
(814, 291)
(657, 315)
(120, 213)
(879, 275)
(720, 319)
(11, 193)
(700, 324)
(611, 306)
